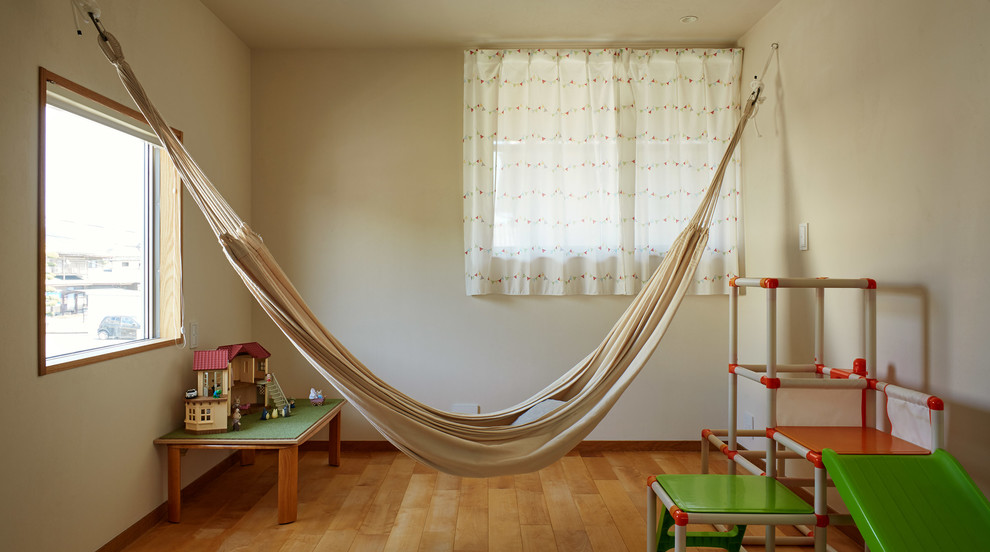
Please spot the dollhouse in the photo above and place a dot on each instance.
(229, 374)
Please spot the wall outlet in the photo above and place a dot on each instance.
(466, 408)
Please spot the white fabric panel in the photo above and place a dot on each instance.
(909, 421)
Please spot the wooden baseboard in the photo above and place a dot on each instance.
(132, 533)
(638, 446)
(143, 525)
(583, 447)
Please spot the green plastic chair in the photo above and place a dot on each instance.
(723, 494)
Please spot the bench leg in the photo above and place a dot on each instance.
(174, 484)
(335, 440)
(247, 457)
(288, 483)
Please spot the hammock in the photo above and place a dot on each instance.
(520, 439)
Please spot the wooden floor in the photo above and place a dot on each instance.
(386, 501)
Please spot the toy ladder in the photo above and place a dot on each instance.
(275, 392)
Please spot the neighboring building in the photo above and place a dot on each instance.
(229, 372)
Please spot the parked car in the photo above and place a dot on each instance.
(118, 327)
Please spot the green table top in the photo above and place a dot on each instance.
(736, 494)
(253, 428)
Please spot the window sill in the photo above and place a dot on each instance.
(74, 360)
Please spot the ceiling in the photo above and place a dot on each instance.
(269, 24)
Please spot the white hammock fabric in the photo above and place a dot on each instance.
(461, 444)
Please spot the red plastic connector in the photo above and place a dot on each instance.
(819, 368)
(705, 433)
(770, 432)
(871, 283)
(815, 458)
(680, 516)
(935, 403)
(769, 283)
(770, 383)
(732, 368)
(821, 520)
(859, 367)
(651, 480)
(732, 281)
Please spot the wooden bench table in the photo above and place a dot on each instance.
(281, 434)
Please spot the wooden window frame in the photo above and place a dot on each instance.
(169, 304)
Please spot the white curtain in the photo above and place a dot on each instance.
(581, 167)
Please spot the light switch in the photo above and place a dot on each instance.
(803, 236)
(193, 337)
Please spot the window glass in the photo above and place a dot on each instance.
(97, 180)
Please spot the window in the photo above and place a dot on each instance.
(581, 166)
(109, 229)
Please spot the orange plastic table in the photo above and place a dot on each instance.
(850, 440)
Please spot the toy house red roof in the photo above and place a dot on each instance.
(221, 357)
(210, 360)
(253, 348)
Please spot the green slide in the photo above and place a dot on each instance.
(910, 502)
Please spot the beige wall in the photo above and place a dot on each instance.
(875, 134)
(78, 460)
(357, 191)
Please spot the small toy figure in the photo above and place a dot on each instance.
(237, 403)
(285, 411)
(264, 413)
(292, 403)
(237, 419)
(273, 414)
(315, 397)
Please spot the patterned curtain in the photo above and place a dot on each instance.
(580, 166)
